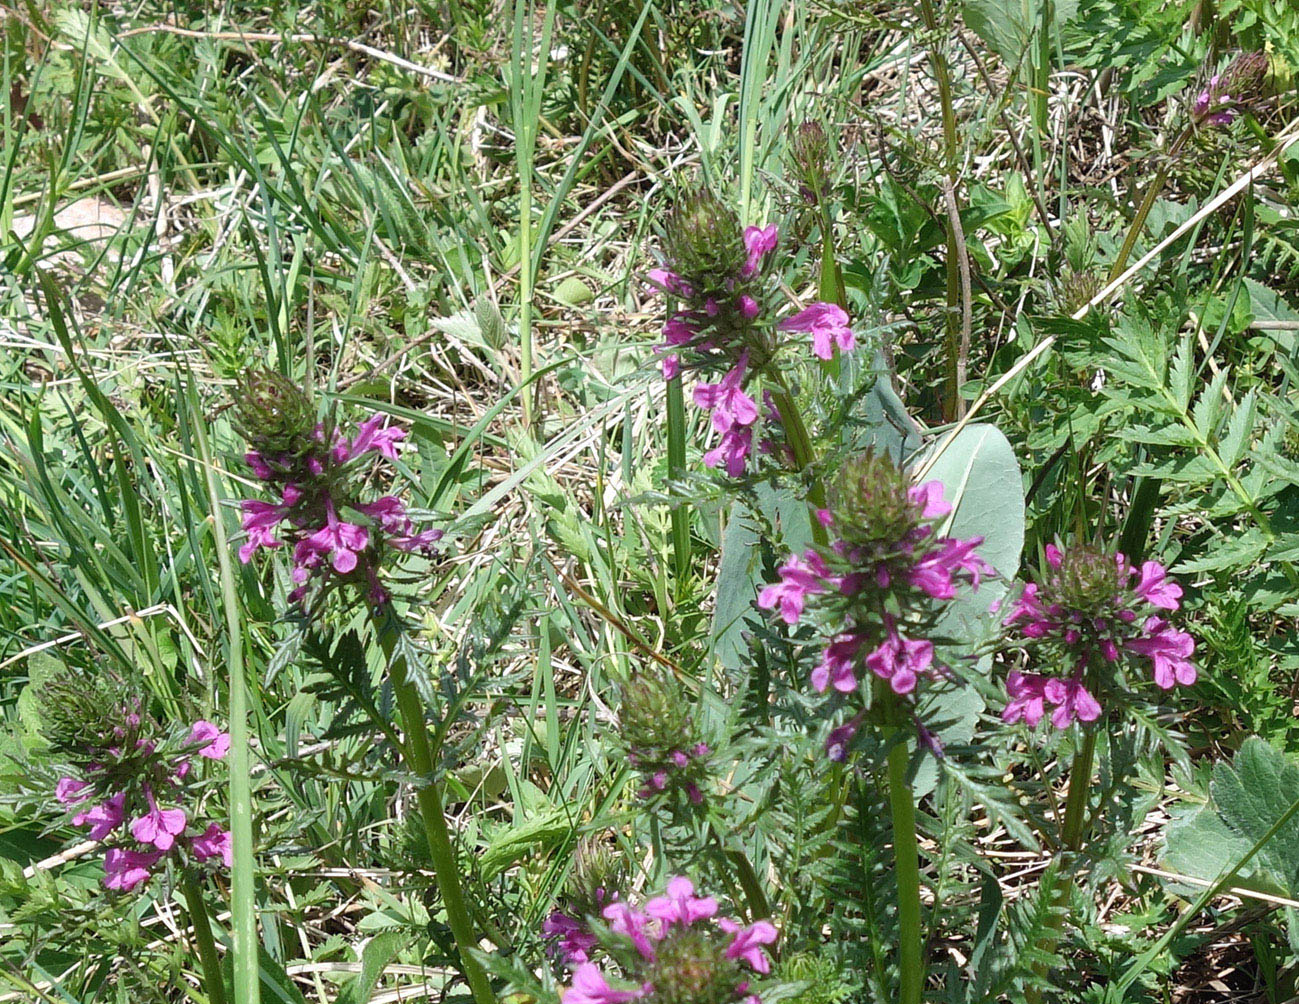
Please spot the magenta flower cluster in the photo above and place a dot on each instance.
(1213, 106)
(677, 768)
(728, 331)
(1093, 611)
(679, 950)
(145, 819)
(1229, 93)
(882, 580)
(316, 500)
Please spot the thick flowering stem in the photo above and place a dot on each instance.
(212, 981)
(1071, 839)
(676, 468)
(800, 443)
(1147, 203)
(906, 856)
(419, 759)
(1075, 807)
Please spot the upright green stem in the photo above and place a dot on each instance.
(906, 856)
(525, 286)
(1075, 806)
(676, 468)
(801, 445)
(243, 878)
(951, 162)
(1071, 839)
(207, 953)
(1147, 203)
(419, 759)
(831, 288)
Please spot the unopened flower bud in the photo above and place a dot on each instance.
(703, 240)
(274, 414)
(1236, 89)
(662, 741)
(598, 874)
(809, 149)
(1077, 289)
(872, 502)
(691, 967)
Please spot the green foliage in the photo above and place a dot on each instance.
(444, 212)
(1246, 798)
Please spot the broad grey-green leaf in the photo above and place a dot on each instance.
(982, 481)
(1007, 26)
(1247, 797)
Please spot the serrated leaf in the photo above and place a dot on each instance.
(1248, 796)
(1180, 375)
(1235, 552)
(1208, 407)
(378, 952)
(1239, 427)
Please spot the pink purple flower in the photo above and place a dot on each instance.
(214, 842)
(159, 827)
(317, 489)
(748, 942)
(372, 435)
(573, 939)
(216, 743)
(878, 587)
(1169, 651)
(1085, 612)
(828, 325)
(759, 242)
(126, 869)
(684, 951)
(633, 925)
(680, 905)
(799, 579)
(590, 986)
(141, 792)
(69, 791)
(732, 451)
(103, 818)
(901, 661)
(726, 400)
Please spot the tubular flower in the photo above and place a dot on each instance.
(336, 534)
(683, 953)
(878, 586)
(1093, 612)
(720, 274)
